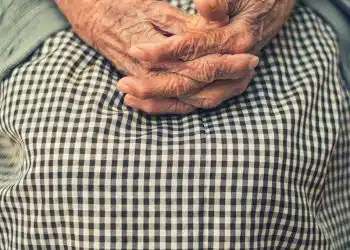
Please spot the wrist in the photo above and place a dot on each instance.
(264, 20)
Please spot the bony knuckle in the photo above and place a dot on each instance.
(216, 37)
(208, 71)
(187, 48)
(173, 87)
(222, 41)
(182, 87)
(239, 40)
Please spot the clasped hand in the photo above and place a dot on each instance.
(176, 63)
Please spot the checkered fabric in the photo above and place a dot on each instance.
(267, 170)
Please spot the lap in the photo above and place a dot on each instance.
(249, 174)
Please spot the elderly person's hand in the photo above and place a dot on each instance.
(252, 24)
(113, 27)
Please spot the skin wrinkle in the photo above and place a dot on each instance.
(208, 101)
(181, 87)
(197, 80)
(261, 15)
(126, 29)
(253, 23)
(93, 21)
(113, 27)
(211, 69)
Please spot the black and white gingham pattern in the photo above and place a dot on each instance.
(267, 170)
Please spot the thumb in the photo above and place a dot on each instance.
(213, 10)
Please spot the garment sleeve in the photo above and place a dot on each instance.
(25, 24)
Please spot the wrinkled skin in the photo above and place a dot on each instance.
(251, 24)
(246, 26)
(113, 27)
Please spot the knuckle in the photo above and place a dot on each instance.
(218, 41)
(216, 37)
(182, 86)
(209, 71)
(174, 87)
(166, 85)
(240, 39)
(187, 49)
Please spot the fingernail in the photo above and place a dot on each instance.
(254, 62)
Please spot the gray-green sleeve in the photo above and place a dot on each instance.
(24, 24)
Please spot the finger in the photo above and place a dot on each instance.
(158, 106)
(213, 10)
(190, 78)
(211, 97)
(167, 17)
(230, 39)
(159, 85)
(148, 34)
(217, 67)
(123, 62)
(114, 45)
(169, 20)
(214, 94)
